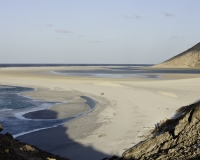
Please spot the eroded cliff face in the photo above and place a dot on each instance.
(11, 149)
(174, 139)
(188, 58)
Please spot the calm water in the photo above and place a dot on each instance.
(57, 65)
(127, 72)
(13, 106)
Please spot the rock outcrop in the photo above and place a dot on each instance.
(188, 58)
(11, 149)
(174, 139)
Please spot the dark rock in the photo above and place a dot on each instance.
(112, 158)
(1, 128)
(11, 149)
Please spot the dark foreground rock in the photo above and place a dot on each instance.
(11, 149)
(174, 139)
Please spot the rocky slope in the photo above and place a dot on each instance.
(174, 139)
(188, 58)
(11, 149)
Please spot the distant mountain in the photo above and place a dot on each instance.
(188, 58)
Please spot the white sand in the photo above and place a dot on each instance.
(170, 94)
(127, 110)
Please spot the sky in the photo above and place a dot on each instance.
(97, 31)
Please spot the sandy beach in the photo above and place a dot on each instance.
(125, 113)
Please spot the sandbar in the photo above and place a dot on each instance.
(62, 110)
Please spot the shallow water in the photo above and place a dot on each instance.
(127, 72)
(10, 99)
(13, 106)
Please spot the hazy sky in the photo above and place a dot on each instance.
(96, 31)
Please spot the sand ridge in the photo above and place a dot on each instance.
(170, 94)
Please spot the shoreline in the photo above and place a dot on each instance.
(65, 109)
(47, 111)
(126, 112)
(45, 114)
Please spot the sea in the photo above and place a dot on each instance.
(13, 105)
(111, 70)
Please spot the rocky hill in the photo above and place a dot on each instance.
(174, 139)
(188, 58)
(11, 149)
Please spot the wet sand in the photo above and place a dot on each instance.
(128, 109)
(62, 110)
